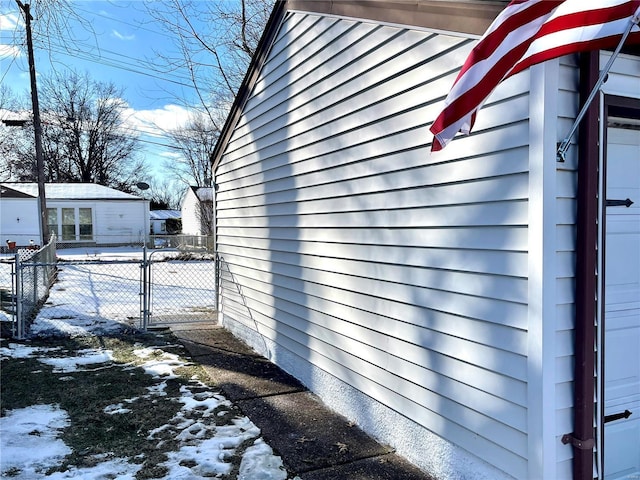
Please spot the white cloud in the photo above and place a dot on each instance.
(170, 155)
(9, 21)
(121, 36)
(155, 122)
(10, 51)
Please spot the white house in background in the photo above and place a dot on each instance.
(447, 303)
(19, 219)
(197, 211)
(78, 213)
(164, 221)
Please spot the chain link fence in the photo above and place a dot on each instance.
(190, 243)
(102, 294)
(32, 273)
(103, 289)
(181, 287)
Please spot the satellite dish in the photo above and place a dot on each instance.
(142, 185)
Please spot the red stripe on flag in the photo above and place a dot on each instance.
(494, 39)
(539, 19)
(466, 102)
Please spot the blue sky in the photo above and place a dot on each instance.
(117, 50)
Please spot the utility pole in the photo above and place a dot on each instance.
(37, 126)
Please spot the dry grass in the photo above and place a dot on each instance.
(84, 395)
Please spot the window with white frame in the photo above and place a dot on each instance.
(71, 224)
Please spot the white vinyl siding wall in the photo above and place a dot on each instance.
(190, 219)
(351, 250)
(19, 221)
(115, 222)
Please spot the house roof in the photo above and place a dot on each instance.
(471, 17)
(71, 191)
(204, 194)
(165, 214)
(8, 192)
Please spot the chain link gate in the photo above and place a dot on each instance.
(181, 288)
(162, 288)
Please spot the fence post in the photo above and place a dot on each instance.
(14, 307)
(145, 290)
(217, 282)
(19, 317)
(35, 282)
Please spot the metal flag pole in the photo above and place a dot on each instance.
(564, 145)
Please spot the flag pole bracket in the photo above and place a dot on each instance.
(562, 147)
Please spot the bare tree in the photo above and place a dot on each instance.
(164, 194)
(212, 41)
(10, 119)
(83, 134)
(194, 142)
(205, 212)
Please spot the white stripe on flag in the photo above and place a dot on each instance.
(529, 40)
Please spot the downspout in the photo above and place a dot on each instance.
(586, 275)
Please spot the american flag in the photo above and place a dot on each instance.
(527, 32)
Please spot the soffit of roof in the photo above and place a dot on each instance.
(468, 17)
(463, 16)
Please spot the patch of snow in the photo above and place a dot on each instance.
(57, 322)
(160, 363)
(17, 350)
(29, 441)
(72, 364)
(205, 402)
(116, 409)
(259, 463)
(117, 468)
(159, 389)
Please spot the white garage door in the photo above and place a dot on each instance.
(622, 306)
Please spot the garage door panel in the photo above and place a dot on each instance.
(623, 379)
(620, 460)
(622, 305)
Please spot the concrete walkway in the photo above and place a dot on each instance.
(314, 442)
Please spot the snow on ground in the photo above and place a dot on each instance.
(30, 441)
(101, 253)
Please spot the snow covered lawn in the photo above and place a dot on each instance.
(86, 397)
(120, 407)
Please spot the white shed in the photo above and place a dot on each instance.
(19, 219)
(78, 213)
(165, 221)
(197, 211)
(447, 303)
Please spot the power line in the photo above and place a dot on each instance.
(139, 27)
(136, 65)
(114, 64)
(64, 48)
